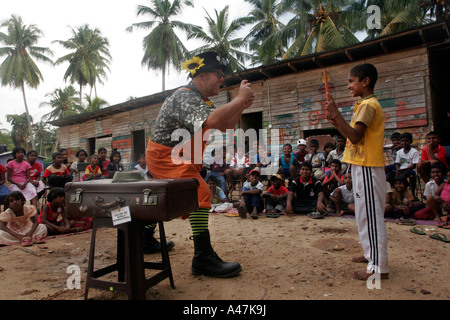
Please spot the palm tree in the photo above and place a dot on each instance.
(94, 104)
(162, 47)
(45, 138)
(89, 58)
(395, 15)
(19, 69)
(63, 102)
(317, 26)
(19, 129)
(220, 39)
(265, 18)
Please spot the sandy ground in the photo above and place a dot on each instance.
(288, 258)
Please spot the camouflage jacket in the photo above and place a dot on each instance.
(185, 109)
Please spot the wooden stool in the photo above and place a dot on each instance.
(130, 262)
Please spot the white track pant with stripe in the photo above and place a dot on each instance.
(369, 185)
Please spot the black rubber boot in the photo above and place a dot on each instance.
(207, 262)
(150, 244)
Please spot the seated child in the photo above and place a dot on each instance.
(276, 197)
(218, 169)
(103, 162)
(432, 211)
(302, 152)
(19, 224)
(142, 167)
(338, 154)
(93, 170)
(18, 171)
(315, 158)
(53, 215)
(329, 146)
(392, 153)
(288, 163)
(77, 166)
(406, 160)
(305, 193)
(442, 197)
(251, 200)
(35, 173)
(237, 169)
(343, 200)
(387, 204)
(4, 190)
(217, 194)
(432, 152)
(57, 174)
(335, 180)
(114, 164)
(402, 202)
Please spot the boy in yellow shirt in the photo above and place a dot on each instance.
(364, 152)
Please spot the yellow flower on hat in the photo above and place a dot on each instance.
(192, 65)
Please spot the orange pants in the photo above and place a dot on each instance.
(161, 166)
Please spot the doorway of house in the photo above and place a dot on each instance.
(253, 121)
(439, 71)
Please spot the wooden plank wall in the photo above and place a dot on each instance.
(293, 104)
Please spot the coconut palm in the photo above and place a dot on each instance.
(395, 15)
(94, 104)
(63, 102)
(19, 124)
(19, 69)
(89, 58)
(162, 47)
(45, 138)
(316, 26)
(265, 19)
(220, 38)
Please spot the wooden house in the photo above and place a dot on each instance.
(413, 89)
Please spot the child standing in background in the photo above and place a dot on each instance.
(19, 224)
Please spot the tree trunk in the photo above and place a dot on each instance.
(164, 78)
(30, 130)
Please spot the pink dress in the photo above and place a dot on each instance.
(22, 225)
(19, 175)
(445, 194)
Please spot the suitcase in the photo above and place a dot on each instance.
(152, 200)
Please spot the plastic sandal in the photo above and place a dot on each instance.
(315, 215)
(38, 240)
(417, 230)
(440, 236)
(26, 242)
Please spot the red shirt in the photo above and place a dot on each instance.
(440, 153)
(2, 169)
(35, 169)
(278, 192)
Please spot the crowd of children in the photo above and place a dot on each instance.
(319, 183)
(22, 220)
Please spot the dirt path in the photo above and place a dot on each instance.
(288, 258)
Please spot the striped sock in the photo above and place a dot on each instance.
(199, 221)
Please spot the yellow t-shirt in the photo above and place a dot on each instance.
(369, 151)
